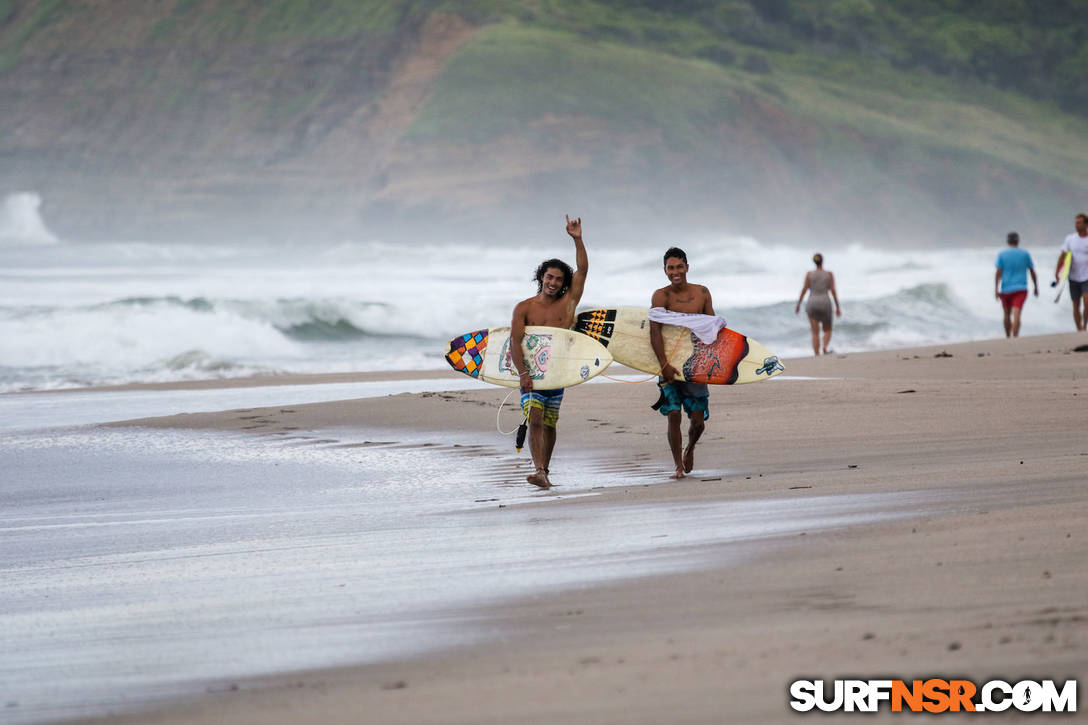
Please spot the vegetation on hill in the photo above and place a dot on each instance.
(927, 119)
(1039, 49)
(779, 105)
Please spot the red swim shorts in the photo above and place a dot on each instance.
(1013, 299)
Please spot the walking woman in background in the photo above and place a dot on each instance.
(818, 283)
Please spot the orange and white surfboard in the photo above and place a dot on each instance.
(731, 359)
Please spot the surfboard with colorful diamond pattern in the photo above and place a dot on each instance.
(555, 358)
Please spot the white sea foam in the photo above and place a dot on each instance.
(78, 314)
(21, 220)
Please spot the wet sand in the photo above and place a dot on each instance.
(989, 582)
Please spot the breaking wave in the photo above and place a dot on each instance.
(21, 221)
(112, 313)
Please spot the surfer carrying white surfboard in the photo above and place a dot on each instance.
(559, 289)
(1077, 245)
(676, 395)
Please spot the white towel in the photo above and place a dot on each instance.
(705, 327)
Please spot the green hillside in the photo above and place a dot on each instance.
(1035, 48)
(914, 121)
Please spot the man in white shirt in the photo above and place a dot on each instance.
(1078, 273)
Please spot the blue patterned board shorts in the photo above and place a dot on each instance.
(691, 397)
(547, 400)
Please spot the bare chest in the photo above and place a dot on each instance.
(557, 314)
(690, 300)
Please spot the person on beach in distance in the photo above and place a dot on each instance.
(1011, 282)
(558, 291)
(1077, 243)
(693, 398)
(818, 283)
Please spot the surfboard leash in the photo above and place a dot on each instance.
(498, 414)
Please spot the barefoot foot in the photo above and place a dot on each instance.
(679, 474)
(689, 459)
(540, 479)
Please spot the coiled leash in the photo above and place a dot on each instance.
(519, 441)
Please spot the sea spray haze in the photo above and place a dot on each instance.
(242, 187)
(924, 124)
(91, 314)
(21, 221)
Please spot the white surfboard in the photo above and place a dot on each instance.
(731, 359)
(555, 358)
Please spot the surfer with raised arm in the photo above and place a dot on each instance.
(694, 398)
(559, 290)
(1077, 245)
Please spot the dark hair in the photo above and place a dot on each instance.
(568, 274)
(1083, 216)
(818, 259)
(1012, 238)
(674, 252)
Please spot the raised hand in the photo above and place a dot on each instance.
(574, 228)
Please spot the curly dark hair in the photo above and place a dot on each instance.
(674, 252)
(568, 274)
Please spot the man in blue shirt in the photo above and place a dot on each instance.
(1013, 265)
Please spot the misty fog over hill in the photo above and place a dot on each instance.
(904, 122)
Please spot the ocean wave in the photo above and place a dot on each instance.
(297, 318)
(156, 339)
(915, 315)
(197, 303)
(200, 361)
(75, 314)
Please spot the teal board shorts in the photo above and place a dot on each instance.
(691, 397)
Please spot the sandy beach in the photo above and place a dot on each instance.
(248, 250)
(974, 451)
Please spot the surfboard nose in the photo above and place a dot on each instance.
(466, 352)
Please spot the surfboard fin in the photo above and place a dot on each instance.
(519, 442)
